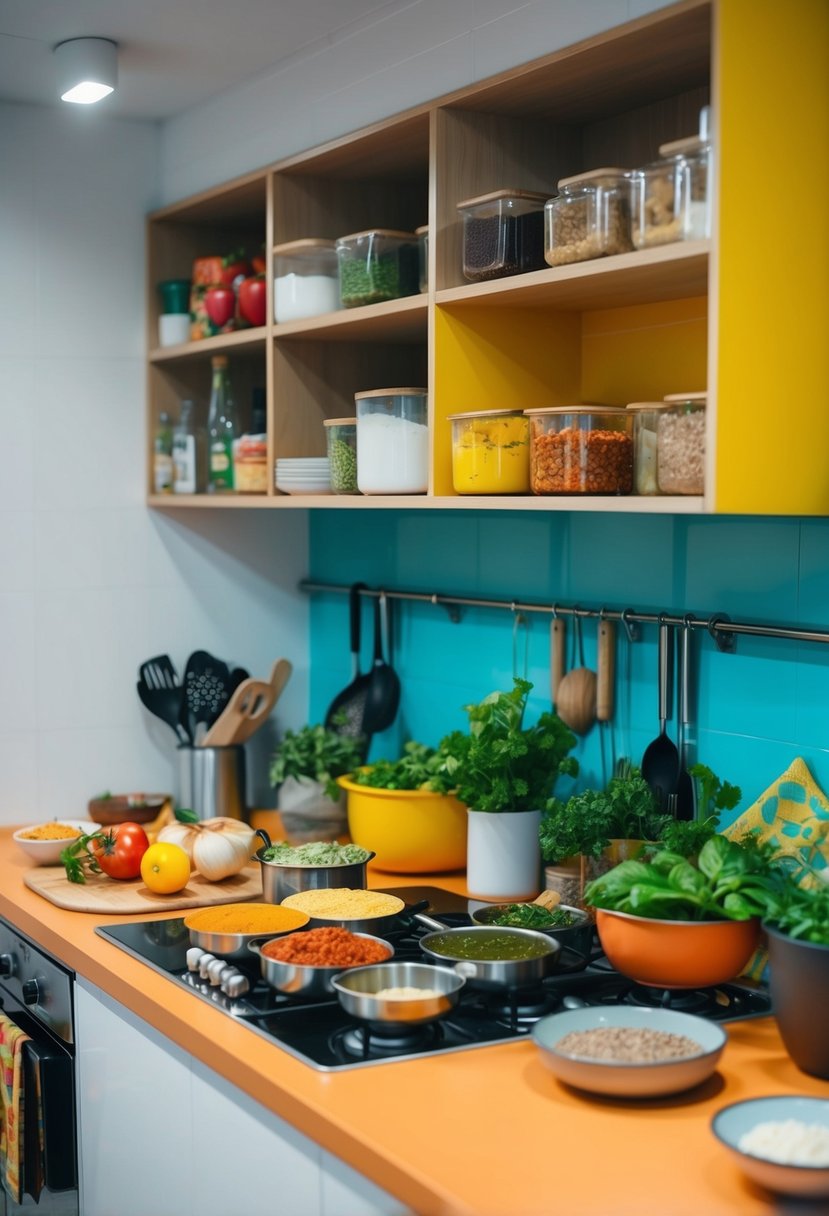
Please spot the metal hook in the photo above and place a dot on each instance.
(725, 640)
(578, 640)
(452, 609)
(631, 627)
(554, 610)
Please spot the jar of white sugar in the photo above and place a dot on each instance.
(392, 441)
(680, 451)
(306, 281)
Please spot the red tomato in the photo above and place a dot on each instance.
(234, 267)
(120, 851)
(253, 300)
(220, 304)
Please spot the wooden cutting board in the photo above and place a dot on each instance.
(102, 894)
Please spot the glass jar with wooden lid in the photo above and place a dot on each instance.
(491, 452)
(581, 449)
(680, 456)
(589, 218)
(645, 416)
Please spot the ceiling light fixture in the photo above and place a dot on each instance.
(87, 69)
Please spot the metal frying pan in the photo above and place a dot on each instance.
(497, 972)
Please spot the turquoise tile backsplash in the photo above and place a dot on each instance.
(753, 711)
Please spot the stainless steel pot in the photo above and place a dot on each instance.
(296, 979)
(496, 972)
(576, 940)
(233, 946)
(357, 992)
(279, 881)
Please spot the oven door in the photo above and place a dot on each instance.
(49, 1177)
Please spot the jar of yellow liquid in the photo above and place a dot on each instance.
(490, 452)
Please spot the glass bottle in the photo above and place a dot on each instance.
(163, 455)
(184, 450)
(221, 430)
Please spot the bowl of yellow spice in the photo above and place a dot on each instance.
(490, 452)
(43, 843)
(227, 929)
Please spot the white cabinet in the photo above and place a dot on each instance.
(160, 1133)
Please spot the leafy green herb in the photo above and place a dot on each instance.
(317, 853)
(731, 880)
(318, 754)
(589, 820)
(501, 765)
(802, 913)
(687, 836)
(712, 794)
(184, 815)
(78, 861)
(419, 768)
(532, 916)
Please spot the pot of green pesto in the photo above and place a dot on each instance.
(571, 927)
(288, 869)
(492, 957)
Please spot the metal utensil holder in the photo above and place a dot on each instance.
(212, 781)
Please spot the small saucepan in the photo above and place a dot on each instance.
(575, 939)
(309, 981)
(233, 946)
(280, 880)
(489, 957)
(357, 991)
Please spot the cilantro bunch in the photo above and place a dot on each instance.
(318, 754)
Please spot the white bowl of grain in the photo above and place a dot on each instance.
(43, 843)
(629, 1051)
(782, 1142)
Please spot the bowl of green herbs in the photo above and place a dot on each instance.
(571, 927)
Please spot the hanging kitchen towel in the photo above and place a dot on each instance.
(12, 1039)
(793, 814)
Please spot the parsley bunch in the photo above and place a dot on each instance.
(317, 754)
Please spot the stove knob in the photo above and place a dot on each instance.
(193, 956)
(217, 969)
(6, 964)
(31, 992)
(236, 985)
(204, 962)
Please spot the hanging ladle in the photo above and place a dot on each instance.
(576, 700)
(660, 763)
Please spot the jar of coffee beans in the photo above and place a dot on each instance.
(680, 453)
(589, 218)
(503, 234)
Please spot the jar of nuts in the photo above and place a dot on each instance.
(589, 218)
(680, 451)
(581, 449)
(645, 426)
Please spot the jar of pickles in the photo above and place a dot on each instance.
(581, 449)
(589, 218)
(491, 452)
(645, 416)
(341, 442)
(680, 454)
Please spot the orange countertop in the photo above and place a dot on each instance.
(487, 1132)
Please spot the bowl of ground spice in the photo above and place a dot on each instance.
(43, 843)
(359, 910)
(304, 964)
(227, 929)
(629, 1051)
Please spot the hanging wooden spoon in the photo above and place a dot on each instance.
(576, 704)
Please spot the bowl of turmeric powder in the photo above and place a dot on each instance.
(43, 843)
(227, 929)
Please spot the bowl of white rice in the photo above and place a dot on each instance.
(780, 1142)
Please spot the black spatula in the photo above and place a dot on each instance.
(346, 713)
(207, 685)
(383, 695)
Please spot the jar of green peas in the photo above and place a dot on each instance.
(341, 440)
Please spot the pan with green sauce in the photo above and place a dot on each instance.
(489, 946)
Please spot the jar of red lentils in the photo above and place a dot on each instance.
(581, 449)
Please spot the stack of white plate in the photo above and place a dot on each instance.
(303, 475)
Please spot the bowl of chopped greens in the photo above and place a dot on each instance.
(288, 869)
(571, 927)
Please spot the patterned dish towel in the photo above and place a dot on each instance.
(793, 815)
(12, 1039)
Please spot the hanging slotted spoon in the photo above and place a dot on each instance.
(207, 683)
(660, 763)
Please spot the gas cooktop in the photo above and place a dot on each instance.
(322, 1034)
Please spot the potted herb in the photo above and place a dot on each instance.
(404, 811)
(305, 767)
(797, 926)
(505, 773)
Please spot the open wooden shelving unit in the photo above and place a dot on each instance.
(630, 327)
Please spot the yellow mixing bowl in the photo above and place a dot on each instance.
(411, 831)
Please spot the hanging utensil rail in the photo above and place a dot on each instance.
(719, 625)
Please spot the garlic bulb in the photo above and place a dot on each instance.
(216, 847)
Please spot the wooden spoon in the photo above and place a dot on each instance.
(548, 899)
(576, 705)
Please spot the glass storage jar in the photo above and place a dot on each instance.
(392, 441)
(306, 282)
(341, 441)
(503, 233)
(377, 265)
(422, 235)
(670, 196)
(580, 449)
(589, 218)
(491, 452)
(680, 453)
(645, 423)
(693, 158)
(250, 465)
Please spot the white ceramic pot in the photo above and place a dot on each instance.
(307, 813)
(503, 856)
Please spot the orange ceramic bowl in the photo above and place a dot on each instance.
(676, 953)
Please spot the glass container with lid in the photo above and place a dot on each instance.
(377, 265)
(589, 218)
(491, 452)
(341, 440)
(306, 280)
(581, 449)
(645, 423)
(503, 233)
(680, 455)
(392, 441)
(692, 159)
(422, 235)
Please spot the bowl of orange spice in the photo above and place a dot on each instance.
(43, 843)
(227, 929)
(304, 964)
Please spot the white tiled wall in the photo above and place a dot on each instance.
(91, 582)
(407, 55)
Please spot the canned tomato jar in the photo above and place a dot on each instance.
(580, 449)
(491, 452)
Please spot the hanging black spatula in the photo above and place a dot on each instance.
(383, 696)
(160, 693)
(207, 686)
(346, 713)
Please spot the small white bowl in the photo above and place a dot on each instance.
(47, 852)
(620, 1078)
(732, 1122)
